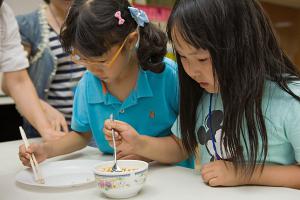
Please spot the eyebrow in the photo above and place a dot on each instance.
(191, 54)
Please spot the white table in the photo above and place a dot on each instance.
(164, 182)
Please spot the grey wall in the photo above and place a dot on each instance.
(23, 6)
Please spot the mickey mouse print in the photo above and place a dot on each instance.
(209, 136)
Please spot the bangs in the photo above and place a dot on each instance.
(192, 22)
(180, 29)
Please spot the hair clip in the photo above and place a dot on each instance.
(139, 16)
(118, 16)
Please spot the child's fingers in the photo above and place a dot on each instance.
(208, 167)
(120, 126)
(22, 149)
(208, 176)
(108, 134)
(33, 148)
(25, 162)
(213, 182)
(120, 155)
(24, 156)
(111, 144)
(107, 124)
(118, 143)
(117, 125)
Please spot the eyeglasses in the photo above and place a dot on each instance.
(87, 62)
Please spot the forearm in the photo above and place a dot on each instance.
(277, 175)
(19, 86)
(43, 104)
(164, 149)
(69, 143)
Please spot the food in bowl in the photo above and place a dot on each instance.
(123, 184)
(109, 169)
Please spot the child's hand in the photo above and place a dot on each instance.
(127, 139)
(218, 174)
(38, 150)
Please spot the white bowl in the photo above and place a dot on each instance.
(121, 184)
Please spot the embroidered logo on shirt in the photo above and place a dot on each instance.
(152, 115)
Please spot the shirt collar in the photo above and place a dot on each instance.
(97, 92)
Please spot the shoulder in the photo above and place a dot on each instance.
(6, 12)
(88, 80)
(14, 57)
(295, 87)
(278, 104)
(82, 88)
(86, 77)
(30, 28)
(292, 102)
(7, 20)
(274, 92)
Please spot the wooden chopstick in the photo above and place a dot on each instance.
(33, 162)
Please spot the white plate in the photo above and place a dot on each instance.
(67, 173)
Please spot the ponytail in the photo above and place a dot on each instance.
(152, 48)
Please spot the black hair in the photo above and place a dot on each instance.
(244, 53)
(92, 29)
(47, 1)
(1, 1)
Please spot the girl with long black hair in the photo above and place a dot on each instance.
(239, 97)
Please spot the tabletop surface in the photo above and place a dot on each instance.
(163, 182)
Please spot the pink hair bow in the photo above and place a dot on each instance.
(118, 16)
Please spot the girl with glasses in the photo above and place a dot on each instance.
(127, 76)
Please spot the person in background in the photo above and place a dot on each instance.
(16, 82)
(51, 70)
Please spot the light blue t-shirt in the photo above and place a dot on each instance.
(282, 118)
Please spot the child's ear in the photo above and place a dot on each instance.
(132, 40)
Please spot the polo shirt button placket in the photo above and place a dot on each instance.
(122, 111)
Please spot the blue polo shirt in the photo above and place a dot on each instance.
(151, 108)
